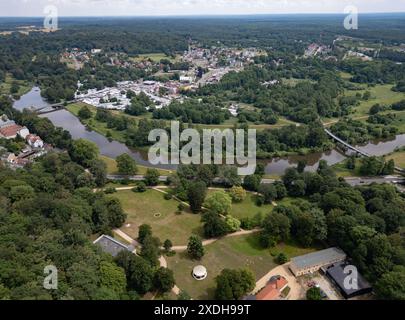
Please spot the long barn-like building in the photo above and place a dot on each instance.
(314, 261)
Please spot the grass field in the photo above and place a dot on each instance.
(293, 81)
(151, 208)
(112, 167)
(381, 94)
(6, 85)
(398, 157)
(342, 171)
(232, 253)
(100, 127)
(229, 124)
(248, 207)
(155, 57)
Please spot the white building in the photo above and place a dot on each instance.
(34, 141)
(24, 132)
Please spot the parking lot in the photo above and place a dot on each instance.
(324, 284)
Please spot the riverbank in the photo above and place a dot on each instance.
(93, 124)
(274, 167)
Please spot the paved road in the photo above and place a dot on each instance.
(379, 180)
(353, 181)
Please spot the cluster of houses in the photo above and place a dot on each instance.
(216, 63)
(116, 98)
(315, 49)
(34, 147)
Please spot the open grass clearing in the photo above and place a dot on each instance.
(98, 126)
(155, 57)
(5, 86)
(381, 94)
(247, 208)
(398, 157)
(232, 253)
(151, 208)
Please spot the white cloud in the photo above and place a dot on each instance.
(187, 7)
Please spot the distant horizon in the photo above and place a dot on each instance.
(213, 15)
(186, 8)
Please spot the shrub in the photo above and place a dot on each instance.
(238, 194)
(110, 190)
(233, 224)
(247, 223)
(281, 258)
(141, 187)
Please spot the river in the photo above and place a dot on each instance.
(112, 149)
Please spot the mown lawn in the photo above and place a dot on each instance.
(231, 253)
(151, 208)
(248, 208)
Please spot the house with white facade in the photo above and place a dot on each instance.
(35, 141)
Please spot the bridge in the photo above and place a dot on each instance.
(336, 138)
(358, 151)
(54, 107)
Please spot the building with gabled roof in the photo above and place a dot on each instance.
(111, 245)
(314, 261)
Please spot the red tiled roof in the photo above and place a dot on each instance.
(10, 131)
(272, 290)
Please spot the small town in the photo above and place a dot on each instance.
(205, 66)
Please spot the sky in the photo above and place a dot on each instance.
(191, 7)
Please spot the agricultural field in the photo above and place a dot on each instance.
(151, 208)
(231, 252)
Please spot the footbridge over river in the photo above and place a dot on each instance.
(357, 150)
(53, 107)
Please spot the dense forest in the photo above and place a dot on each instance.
(48, 213)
